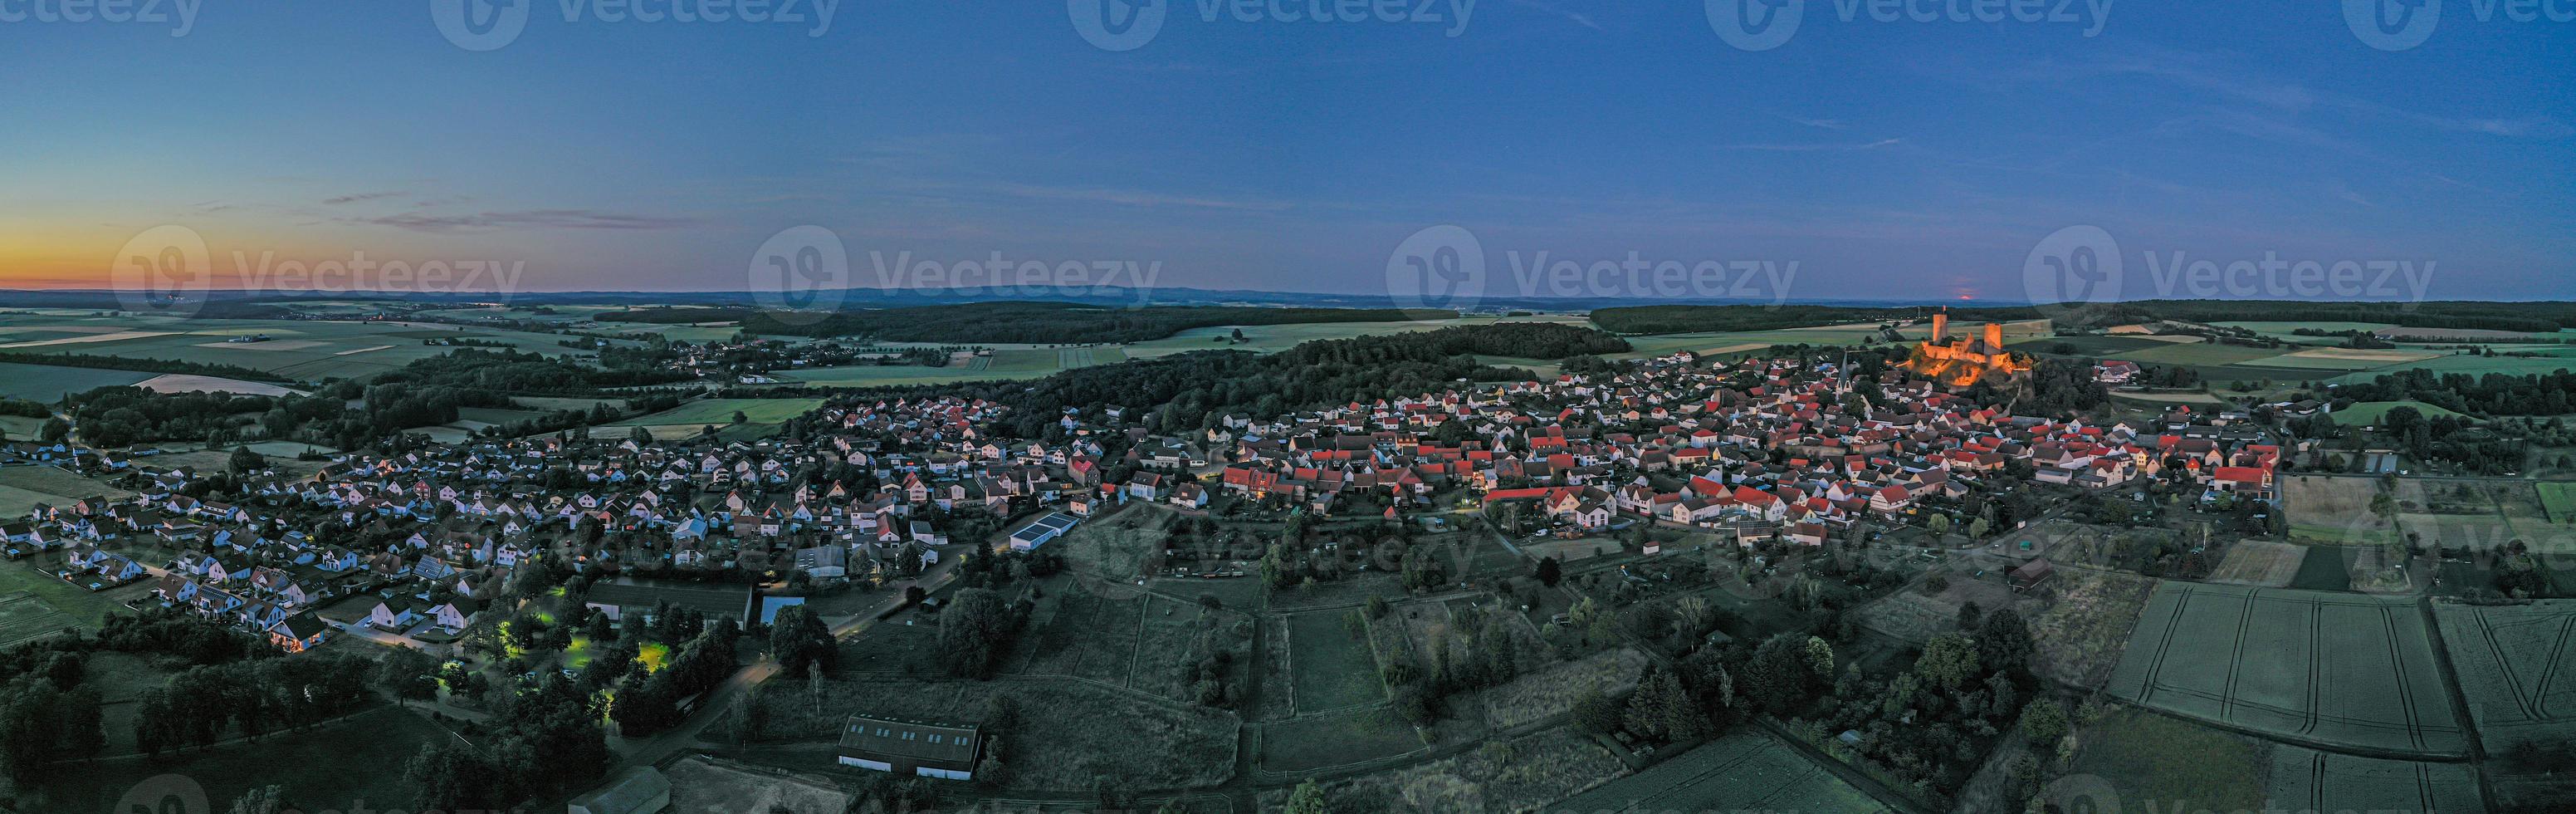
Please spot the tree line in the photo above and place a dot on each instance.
(1052, 322)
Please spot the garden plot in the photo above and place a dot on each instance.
(2507, 658)
(2334, 511)
(1523, 774)
(2323, 668)
(1916, 617)
(2310, 780)
(2079, 638)
(1552, 691)
(2259, 562)
(1177, 637)
(1091, 632)
(1331, 666)
(1337, 738)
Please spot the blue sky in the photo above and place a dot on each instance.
(1888, 159)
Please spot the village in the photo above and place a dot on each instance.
(863, 511)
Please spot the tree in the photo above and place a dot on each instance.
(30, 732)
(244, 461)
(83, 724)
(1661, 709)
(407, 675)
(1596, 712)
(973, 632)
(798, 638)
(2003, 641)
(1307, 799)
(2044, 722)
(1550, 572)
(1781, 675)
(1948, 661)
(1820, 659)
(1969, 615)
(54, 430)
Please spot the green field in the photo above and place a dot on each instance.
(2508, 658)
(297, 349)
(2324, 668)
(2468, 365)
(2146, 756)
(2106, 345)
(347, 765)
(23, 487)
(1331, 668)
(1275, 338)
(2287, 331)
(1744, 771)
(2371, 413)
(720, 412)
(2559, 499)
(2310, 780)
(25, 617)
(884, 375)
(49, 383)
(2198, 353)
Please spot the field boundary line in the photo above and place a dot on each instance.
(2316, 648)
(2405, 691)
(2504, 667)
(2236, 657)
(2355, 750)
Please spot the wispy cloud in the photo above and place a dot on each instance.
(1129, 197)
(1808, 148)
(1577, 17)
(525, 219)
(361, 197)
(1828, 124)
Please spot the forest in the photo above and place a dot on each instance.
(1191, 390)
(1053, 322)
(1667, 319)
(2492, 394)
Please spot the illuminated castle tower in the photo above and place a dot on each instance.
(1962, 362)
